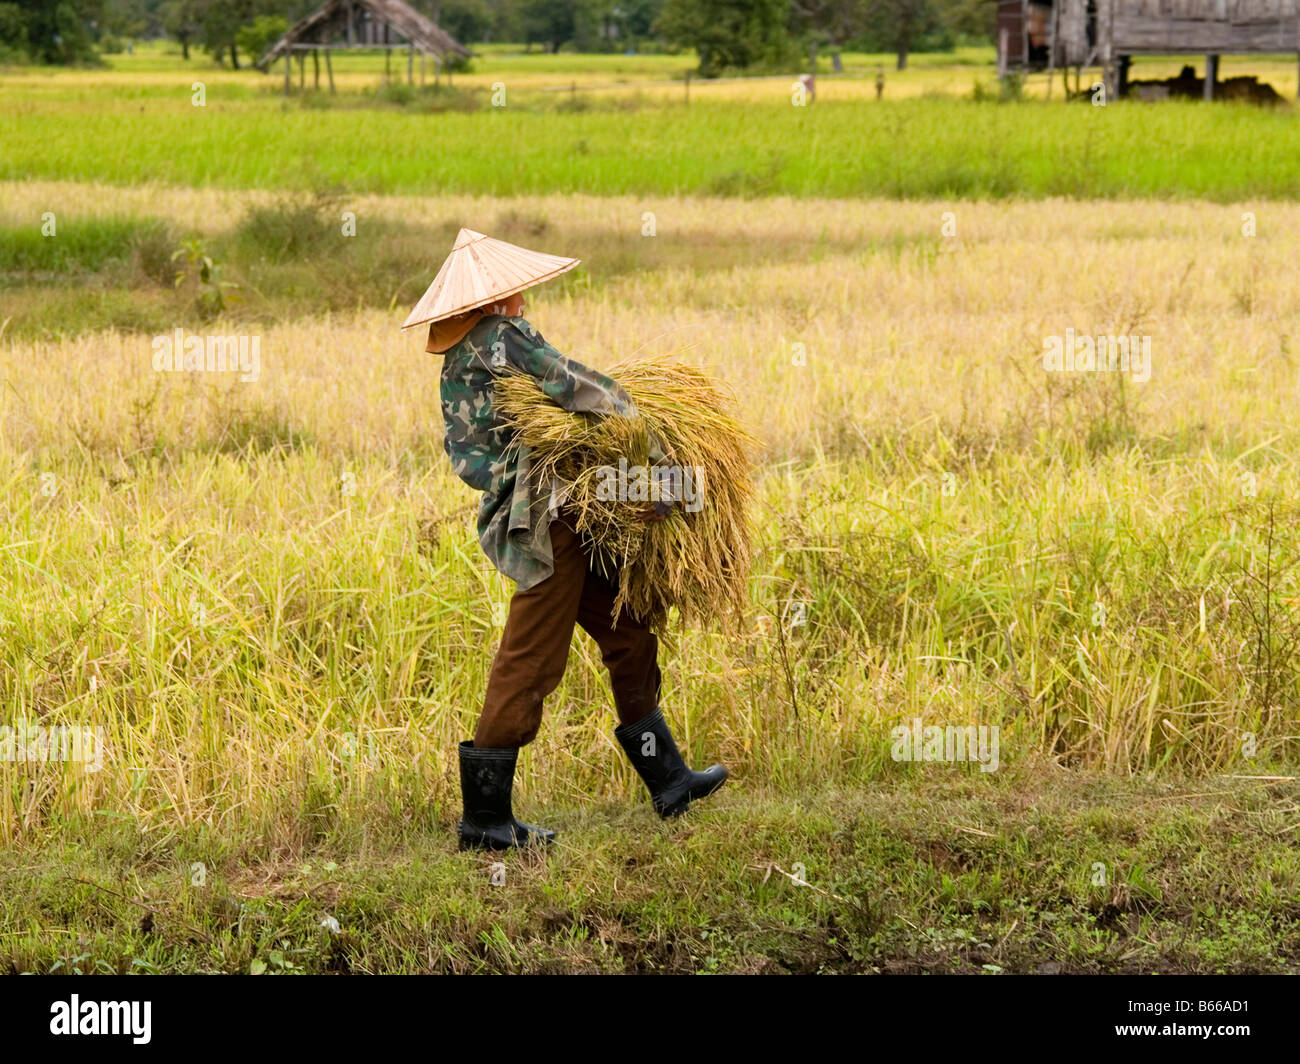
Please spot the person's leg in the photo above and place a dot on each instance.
(630, 651)
(534, 649)
(528, 665)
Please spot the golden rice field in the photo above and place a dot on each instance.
(269, 597)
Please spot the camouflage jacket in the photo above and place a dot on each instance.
(515, 513)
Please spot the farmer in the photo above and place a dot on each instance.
(474, 312)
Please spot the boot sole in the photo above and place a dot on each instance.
(683, 804)
(481, 842)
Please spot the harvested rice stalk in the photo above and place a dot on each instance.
(698, 558)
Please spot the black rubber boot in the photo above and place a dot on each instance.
(650, 747)
(486, 779)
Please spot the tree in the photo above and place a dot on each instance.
(126, 18)
(219, 23)
(970, 19)
(832, 21)
(180, 19)
(549, 22)
(505, 21)
(728, 34)
(900, 25)
(13, 31)
(639, 17)
(255, 39)
(466, 20)
(58, 32)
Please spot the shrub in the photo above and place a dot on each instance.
(290, 228)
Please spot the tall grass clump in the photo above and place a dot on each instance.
(293, 227)
(698, 558)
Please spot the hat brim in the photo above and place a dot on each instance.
(480, 270)
(413, 321)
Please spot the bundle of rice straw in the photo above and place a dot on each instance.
(697, 559)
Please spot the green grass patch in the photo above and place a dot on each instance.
(87, 245)
(917, 148)
(950, 874)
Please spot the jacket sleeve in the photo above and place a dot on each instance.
(567, 383)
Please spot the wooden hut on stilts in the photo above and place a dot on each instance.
(1060, 34)
(362, 25)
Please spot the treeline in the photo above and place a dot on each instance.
(728, 35)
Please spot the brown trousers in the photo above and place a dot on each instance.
(534, 648)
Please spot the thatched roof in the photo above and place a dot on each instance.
(328, 24)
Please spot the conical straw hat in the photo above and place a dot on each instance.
(479, 270)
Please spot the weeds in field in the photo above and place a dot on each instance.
(202, 274)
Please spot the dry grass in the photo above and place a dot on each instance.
(697, 560)
(263, 646)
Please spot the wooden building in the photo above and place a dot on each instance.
(1043, 34)
(356, 25)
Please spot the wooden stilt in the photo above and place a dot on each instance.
(315, 63)
(1051, 53)
(329, 69)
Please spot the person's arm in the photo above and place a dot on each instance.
(574, 387)
(566, 382)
